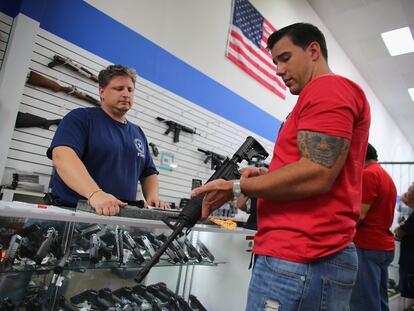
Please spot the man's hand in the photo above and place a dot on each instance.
(217, 192)
(251, 171)
(156, 202)
(106, 204)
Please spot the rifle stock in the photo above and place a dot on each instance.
(39, 80)
(30, 120)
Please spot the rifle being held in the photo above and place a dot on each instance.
(215, 158)
(189, 216)
(176, 128)
(69, 63)
(25, 119)
(39, 80)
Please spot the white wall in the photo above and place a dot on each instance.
(196, 32)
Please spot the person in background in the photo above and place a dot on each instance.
(373, 239)
(405, 232)
(101, 156)
(309, 199)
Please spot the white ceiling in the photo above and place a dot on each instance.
(357, 26)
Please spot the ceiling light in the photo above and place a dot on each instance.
(411, 92)
(398, 41)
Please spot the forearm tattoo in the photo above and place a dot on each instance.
(321, 148)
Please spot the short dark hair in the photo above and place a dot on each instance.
(112, 71)
(301, 34)
(371, 153)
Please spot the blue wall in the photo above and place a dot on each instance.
(92, 30)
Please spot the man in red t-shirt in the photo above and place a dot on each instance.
(373, 239)
(309, 200)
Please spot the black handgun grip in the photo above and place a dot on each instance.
(177, 131)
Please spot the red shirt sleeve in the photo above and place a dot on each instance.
(369, 187)
(329, 108)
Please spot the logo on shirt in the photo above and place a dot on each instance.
(140, 147)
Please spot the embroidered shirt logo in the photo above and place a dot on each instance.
(140, 147)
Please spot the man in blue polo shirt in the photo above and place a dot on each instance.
(99, 155)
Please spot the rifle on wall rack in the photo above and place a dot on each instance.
(176, 128)
(214, 158)
(69, 63)
(25, 119)
(39, 80)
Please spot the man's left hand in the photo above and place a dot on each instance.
(156, 202)
(217, 192)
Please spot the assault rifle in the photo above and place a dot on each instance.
(176, 128)
(25, 119)
(215, 158)
(39, 80)
(192, 212)
(67, 62)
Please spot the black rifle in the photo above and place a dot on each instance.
(133, 211)
(67, 62)
(154, 149)
(177, 128)
(41, 81)
(196, 304)
(192, 213)
(25, 119)
(191, 250)
(215, 158)
(258, 162)
(47, 244)
(133, 246)
(205, 251)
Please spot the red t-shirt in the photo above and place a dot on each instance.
(379, 191)
(307, 229)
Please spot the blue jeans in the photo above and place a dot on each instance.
(325, 284)
(370, 291)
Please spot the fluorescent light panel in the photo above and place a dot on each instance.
(398, 41)
(411, 92)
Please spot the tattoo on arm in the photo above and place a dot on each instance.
(321, 148)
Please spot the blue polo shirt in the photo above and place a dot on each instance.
(116, 155)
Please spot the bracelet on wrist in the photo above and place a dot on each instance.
(92, 194)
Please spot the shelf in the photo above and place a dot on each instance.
(82, 266)
(28, 210)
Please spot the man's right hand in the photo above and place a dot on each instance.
(106, 204)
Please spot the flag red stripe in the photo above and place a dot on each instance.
(265, 61)
(254, 75)
(252, 62)
(269, 25)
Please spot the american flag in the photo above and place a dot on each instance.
(246, 46)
